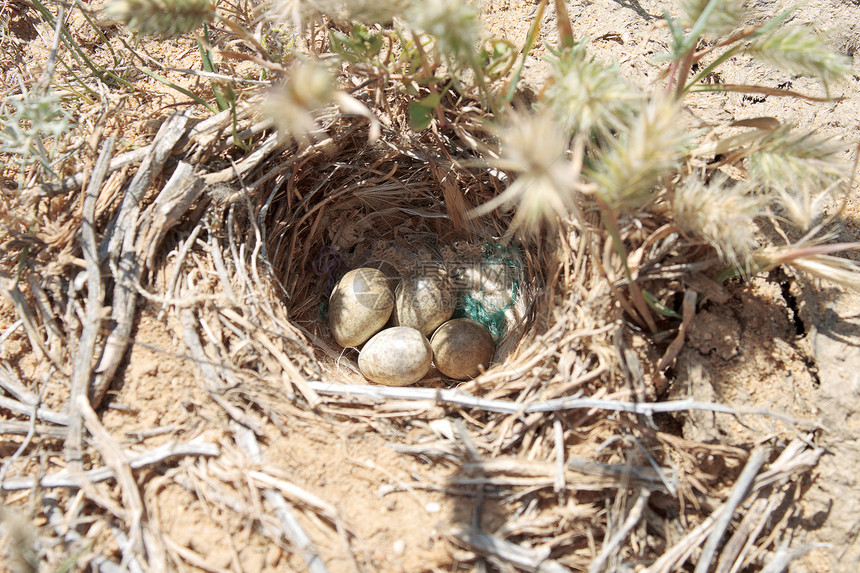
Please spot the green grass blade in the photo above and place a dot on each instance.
(527, 48)
(181, 90)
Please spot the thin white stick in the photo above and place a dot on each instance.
(505, 551)
(11, 330)
(41, 413)
(246, 439)
(117, 461)
(71, 536)
(784, 556)
(23, 428)
(294, 531)
(296, 493)
(75, 181)
(459, 398)
(560, 485)
(150, 458)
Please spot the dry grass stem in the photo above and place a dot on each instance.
(739, 493)
(135, 461)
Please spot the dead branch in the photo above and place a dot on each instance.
(292, 529)
(43, 414)
(117, 461)
(127, 265)
(212, 379)
(610, 546)
(460, 398)
(297, 494)
(294, 532)
(70, 536)
(23, 428)
(120, 237)
(153, 457)
(9, 289)
(9, 382)
(83, 362)
(794, 459)
(739, 493)
(74, 182)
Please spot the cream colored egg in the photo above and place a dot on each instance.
(460, 347)
(424, 299)
(397, 356)
(359, 306)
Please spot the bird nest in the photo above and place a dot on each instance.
(558, 449)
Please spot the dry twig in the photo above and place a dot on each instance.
(739, 493)
(127, 264)
(153, 457)
(533, 560)
(83, 357)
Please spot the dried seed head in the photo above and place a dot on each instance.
(628, 172)
(721, 214)
(589, 97)
(545, 184)
(799, 171)
(292, 105)
(454, 23)
(374, 11)
(161, 17)
(843, 272)
(799, 50)
(299, 12)
(722, 17)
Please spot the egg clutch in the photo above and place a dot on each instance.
(394, 326)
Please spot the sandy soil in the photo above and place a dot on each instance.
(780, 342)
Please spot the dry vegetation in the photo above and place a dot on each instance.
(171, 398)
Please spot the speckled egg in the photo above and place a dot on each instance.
(397, 356)
(424, 299)
(359, 306)
(460, 347)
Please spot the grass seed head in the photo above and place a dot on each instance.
(298, 12)
(292, 105)
(375, 11)
(724, 216)
(589, 97)
(454, 23)
(653, 148)
(544, 188)
(843, 272)
(161, 17)
(798, 50)
(723, 18)
(799, 171)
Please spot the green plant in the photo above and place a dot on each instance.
(27, 123)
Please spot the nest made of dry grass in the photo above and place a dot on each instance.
(226, 259)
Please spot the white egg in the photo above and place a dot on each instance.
(397, 356)
(359, 306)
(424, 299)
